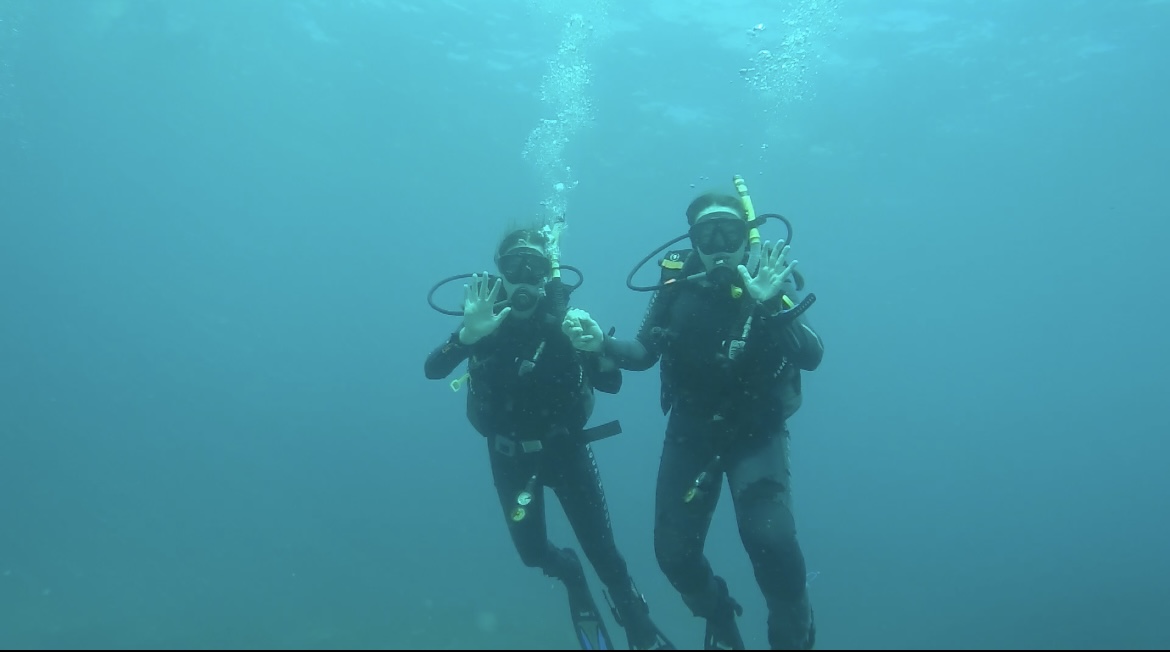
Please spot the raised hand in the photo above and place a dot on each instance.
(479, 315)
(774, 272)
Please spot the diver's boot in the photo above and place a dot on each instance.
(587, 623)
(722, 630)
(633, 614)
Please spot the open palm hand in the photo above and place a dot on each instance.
(774, 272)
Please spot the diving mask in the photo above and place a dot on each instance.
(719, 233)
(525, 267)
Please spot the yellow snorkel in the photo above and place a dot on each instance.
(749, 212)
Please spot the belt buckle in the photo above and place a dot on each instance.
(507, 446)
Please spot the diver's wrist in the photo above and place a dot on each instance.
(606, 346)
(772, 307)
(465, 339)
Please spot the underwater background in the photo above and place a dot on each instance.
(219, 222)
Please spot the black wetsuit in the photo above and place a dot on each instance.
(531, 389)
(727, 417)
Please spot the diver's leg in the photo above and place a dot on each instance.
(682, 519)
(580, 491)
(760, 488)
(512, 475)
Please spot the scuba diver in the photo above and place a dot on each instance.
(726, 322)
(530, 394)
